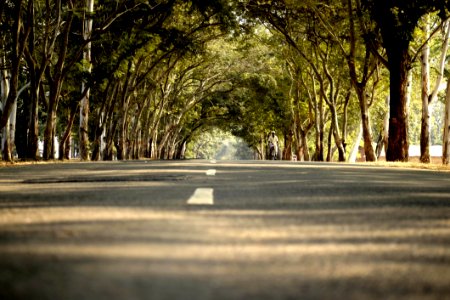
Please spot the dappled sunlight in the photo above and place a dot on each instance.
(52, 215)
(245, 249)
(221, 235)
(270, 231)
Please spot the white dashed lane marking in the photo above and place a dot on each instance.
(202, 196)
(211, 172)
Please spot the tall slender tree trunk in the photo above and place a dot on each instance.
(4, 88)
(49, 134)
(304, 149)
(366, 127)
(154, 145)
(288, 141)
(337, 134)
(64, 142)
(50, 126)
(19, 37)
(56, 80)
(84, 106)
(329, 144)
(35, 84)
(319, 126)
(384, 135)
(425, 86)
(355, 148)
(105, 114)
(446, 134)
(18, 44)
(33, 126)
(6, 143)
(360, 87)
(428, 97)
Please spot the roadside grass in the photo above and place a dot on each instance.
(413, 163)
(33, 162)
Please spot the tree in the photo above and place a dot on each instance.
(12, 14)
(396, 22)
(148, 55)
(56, 74)
(84, 105)
(446, 133)
(430, 96)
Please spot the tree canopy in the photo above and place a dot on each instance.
(130, 79)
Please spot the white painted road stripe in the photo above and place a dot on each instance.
(202, 196)
(211, 172)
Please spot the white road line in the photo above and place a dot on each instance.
(202, 196)
(211, 172)
(213, 161)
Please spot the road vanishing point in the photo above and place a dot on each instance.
(216, 230)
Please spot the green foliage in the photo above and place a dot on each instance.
(198, 72)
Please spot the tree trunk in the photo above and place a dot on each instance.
(301, 136)
(446, 134)
(360, 87)
(4, 89)
(287, 152)
(304, 149)
(319, 125)
(355, 148)
(366, 127)
(163, 142)
(428, 97)
(9, 134)
(56, 80)
(330, 145)
(261, 149)
(68, 148)
(65, 138)
(399, 62)
(35, 85)
(105, 114)
(10, 91)
(337, 135)
(49, 133)
(18, 44)
(12, 123)
(384, 135)
(84, 107)
(33, 126)
(425, 85)
(50, 126)
(123, 140)
(111, 130)
(5, 145)
(182, 150)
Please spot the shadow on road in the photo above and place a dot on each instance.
(273, 233)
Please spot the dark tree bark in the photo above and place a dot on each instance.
(399, 63)
(65, 139)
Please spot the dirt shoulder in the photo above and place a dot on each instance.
(414, 163)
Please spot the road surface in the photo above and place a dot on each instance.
(223, 230)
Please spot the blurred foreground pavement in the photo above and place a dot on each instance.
(274, 230)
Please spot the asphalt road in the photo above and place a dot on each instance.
(223, 230)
